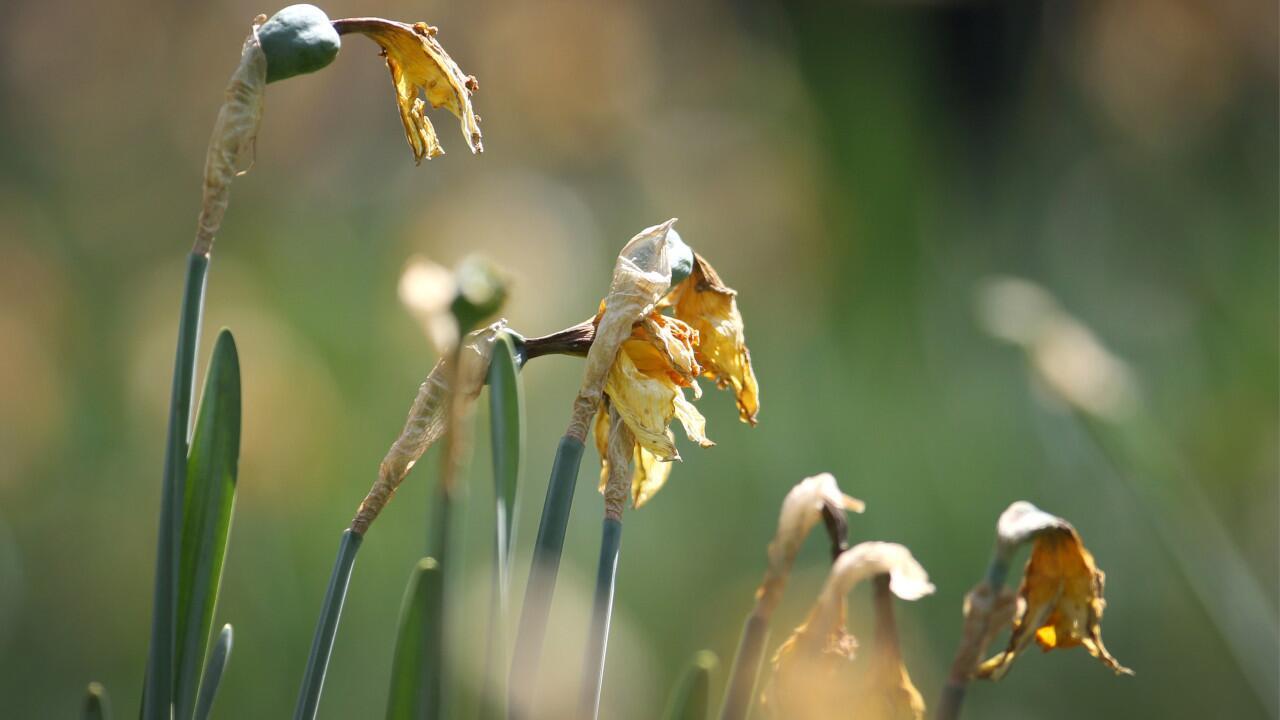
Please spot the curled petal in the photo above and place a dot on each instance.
(419, 65)
(710, 307)
(648, 405)
(801, 510)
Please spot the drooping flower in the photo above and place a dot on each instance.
(666, 353)
(1060, 601)
(813, 670)
(420, 68)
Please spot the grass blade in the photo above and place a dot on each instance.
(601, 615)
(327, 627)
(213, 673)
(690, 698)
(158, 689)
(96, 704)
(542, 575)
(740, 693)
(206, 520)
(415, 670)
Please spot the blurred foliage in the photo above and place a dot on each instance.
(853, 169)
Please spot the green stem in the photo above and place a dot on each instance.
(327, 627)
(157, 703)
(601, 615)
(740, 693)
(542, 575)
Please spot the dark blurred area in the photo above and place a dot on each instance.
(855, 170)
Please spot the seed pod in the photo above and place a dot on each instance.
(298, 40)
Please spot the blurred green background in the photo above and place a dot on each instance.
(855, 170)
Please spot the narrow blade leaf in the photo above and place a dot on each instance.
(415, 684)
(213, 673)
(206, 521)
(689, 698)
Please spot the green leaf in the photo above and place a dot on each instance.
(96, 704)
(601, 617)
(213, 673)
(506, 418)
(415, 674)
(158, 688)
(206, 520)
(689, 697)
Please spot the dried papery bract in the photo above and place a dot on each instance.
(420, 68)
(811, 670)
(802, 509)
(428, 418)
(234, 134)
(641, 277)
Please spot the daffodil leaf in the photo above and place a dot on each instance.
(415, 685)
(689, 697)
(206, 521)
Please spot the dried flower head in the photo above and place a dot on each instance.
(1060, 600)
(420, 68)
(801, 510)
(812, 668)
(653, 357)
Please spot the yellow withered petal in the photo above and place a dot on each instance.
(418, 64)
(710, 307)
(648, 474)
(1060, 603)
(648, 404)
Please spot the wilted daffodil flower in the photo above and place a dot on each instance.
(664, 354)
(419, 65)
(1060, 600)
(812, 668)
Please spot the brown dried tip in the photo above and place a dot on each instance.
(420, 68)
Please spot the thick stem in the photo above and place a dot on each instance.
(159, 687)
(542, 576)
(601, 616)
(327, 627)
(574, 340)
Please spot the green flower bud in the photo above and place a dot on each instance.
(298, 40)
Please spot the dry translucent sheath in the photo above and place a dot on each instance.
(427, 419)
(234, 133)
(641, 277)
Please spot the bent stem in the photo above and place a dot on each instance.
(327, 627)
